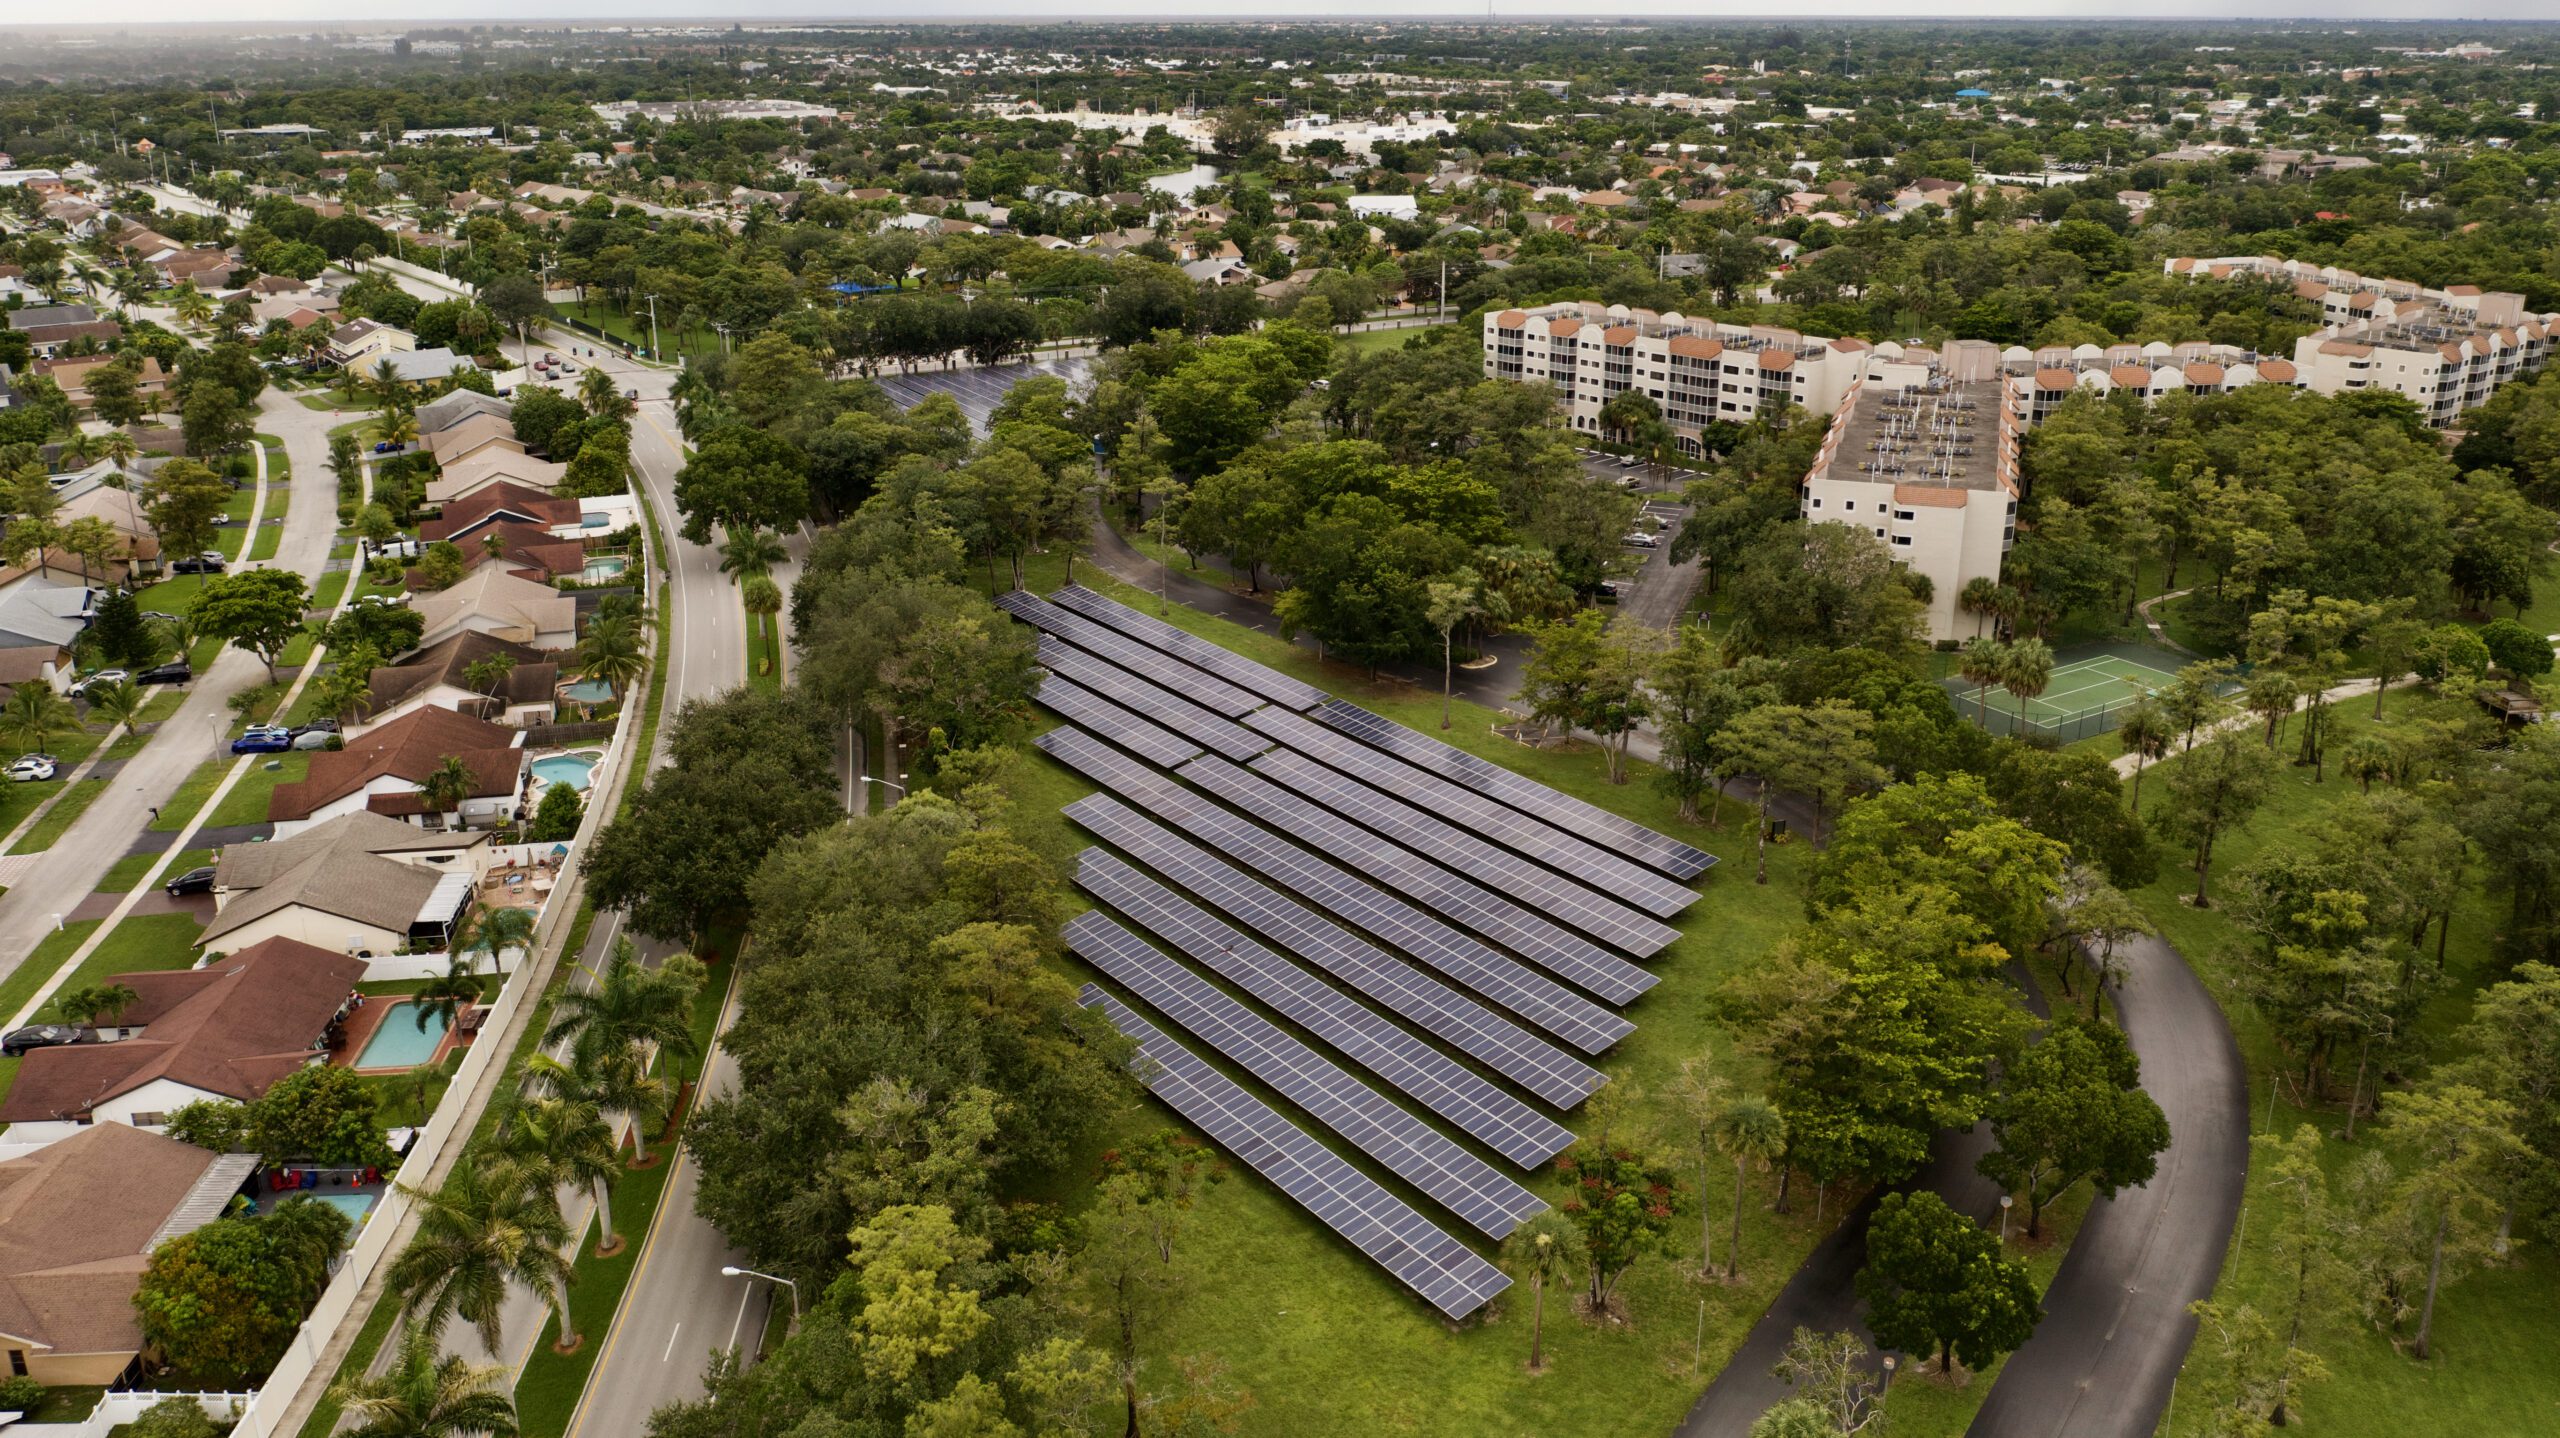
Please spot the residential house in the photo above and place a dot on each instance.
(383, 770)
(138, 545)
(39, 622)
(501, 502)
(447, 410)
(489, 600)
(481, 432)
(78, 1221)
(419, 367)
(361, 344)
(434, 677)
(527, 551)
(227, 1030)
(490, 466)
(72, 377)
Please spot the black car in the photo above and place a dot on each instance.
(196, 564)
(175, 672)
(193, 881)
(41, 1036)
(316, 726)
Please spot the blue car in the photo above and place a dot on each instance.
(264, 739)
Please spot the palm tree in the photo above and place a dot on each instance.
(619, 1083)
(120, 703)
(1749, 1129)
(1980, 598)
(486, 673)
(2144, 729)
(118, 445)
(567, 1137)
(79, 449)
(597, 392)
(1980, 662)
(751, 551)
(193, 305)
(390, 392)
(628, 1004)
(492, 1223)
(495, 930)
(448, 994)
(1540, 1251)
(610, 651)
(447, 785)
(309, 1235)
(396, 426)
(427, 1395)
(34, 714)
(2024, 671)
(762, 598)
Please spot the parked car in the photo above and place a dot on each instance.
(163, 618)
(33, 768)
(263, 739)
(1613, 590)
(399, 549)
(100, 680)
(316, 726)
(316, 739)
(1641, 540)
(631, 394)
(40, 1036)
(176, 671)
(198, 564)
(1629, 462)
(387, 601)
(193, 881)
(387, 447)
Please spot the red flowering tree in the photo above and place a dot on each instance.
(1626, 1202)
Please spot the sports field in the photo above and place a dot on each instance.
(2079, 694)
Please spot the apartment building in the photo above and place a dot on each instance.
(2447, 350)
(1930, 468)
(1697, 370)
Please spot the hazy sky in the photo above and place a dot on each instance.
(342, 12)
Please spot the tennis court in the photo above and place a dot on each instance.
(2083, 697)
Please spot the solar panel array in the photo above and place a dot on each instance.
(1148, 740)
(1449, 1275)
(1466, 1025)
(1565, 853)
(1412, 1150)
(1227, 664)
(1153, 665)
(1476, 1104)
(1615, 832)
(1532, 995)
(1494, 867)
(1150, 700)
(1576, 958)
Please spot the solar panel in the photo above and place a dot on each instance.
(1614, 832)
(1412, 1150)
(1149, 701)
(1461, 1022)
(1499, 977)
(1081, 706)
(1449, 1275)
(1227, 664)
(1474, 1103)
(1574, 957)
(1491, 865)
(1153, 665)
(1504, 825)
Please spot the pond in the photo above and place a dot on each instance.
(1183, 184)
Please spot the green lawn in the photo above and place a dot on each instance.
(764, 652)
(2493, 1371)
(190, 795)
(124, 873)
(1327, 1342)
(1371, 341)
(142, 941)
(155, 711)
(58, 820)
(247, 801)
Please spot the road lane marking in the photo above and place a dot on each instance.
(671, 1343)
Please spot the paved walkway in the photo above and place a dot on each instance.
(2126, 764)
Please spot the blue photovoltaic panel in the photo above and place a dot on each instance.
(1461, 1022)
(1450, 1276)
(1245, 673)
(1532, 937)
(1081, 706)
(1149, 701)
(1153, 665)
(1494, 867)
(1532, 995)
(1474, 1103)
(1499, 822)
(1614, 832)
(1412, 1150)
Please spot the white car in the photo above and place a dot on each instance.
(32, 767)
(99, 680)
(1642, 540)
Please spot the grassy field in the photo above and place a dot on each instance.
(125, 873)
(58, 820)
(2493, 1371)
(1324, 1340)
(1370, 341)
(764, 652)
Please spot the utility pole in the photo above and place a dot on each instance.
(653, 327)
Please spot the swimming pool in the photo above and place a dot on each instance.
(569, 769)
(593, 520)
(399, 1042)
(354, 1205)
(588, 691)
(604, 566)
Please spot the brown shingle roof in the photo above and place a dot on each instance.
(531, 681)
(475, 509)
(408, 748)
(231, 1028)
(77, 1220)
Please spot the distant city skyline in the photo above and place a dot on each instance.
(252, 12)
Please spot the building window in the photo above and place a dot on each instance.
(1904, 514)
(149, 1120)
(1903, 540)
(17, 1363)
(1849, 504)
(1817, 501)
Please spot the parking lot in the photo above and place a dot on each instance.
(1651, 591)
(979, 391)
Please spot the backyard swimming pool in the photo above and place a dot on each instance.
(604, 566)
(569, 769)
(354, 1205)
(589, 691)
(399, 1043)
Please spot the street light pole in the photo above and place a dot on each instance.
(731, 1270)
(653, 327)
(2005, 1201)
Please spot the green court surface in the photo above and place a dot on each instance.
(2081, 698)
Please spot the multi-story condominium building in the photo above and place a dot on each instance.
(1696, 370)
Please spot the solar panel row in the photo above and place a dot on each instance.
(1466, 1025)
(1081, 706)
(1576, 958)
(1474, 1103)
(1449, 1275)
(1153, 665)
(1494, 867)
(1227, 664)
(1409, 1148)
(1505, 980)
(1151, 701)
(1504, 825)
(1611, 831)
